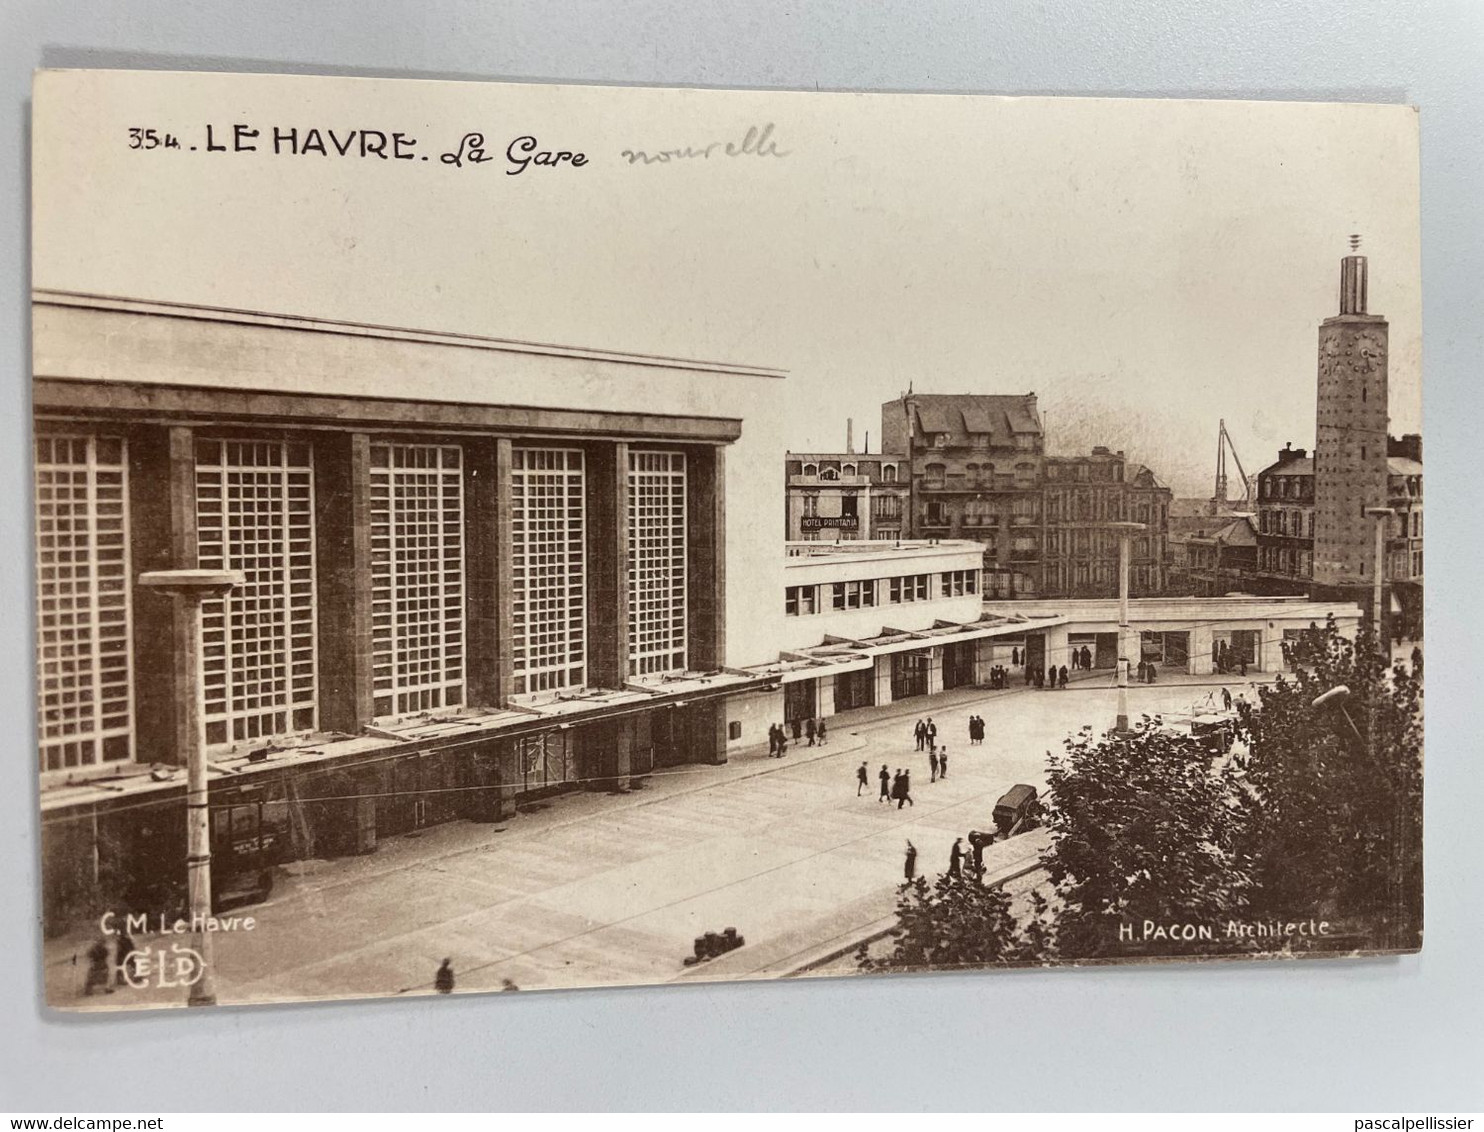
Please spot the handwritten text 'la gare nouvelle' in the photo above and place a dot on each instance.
(522, 153)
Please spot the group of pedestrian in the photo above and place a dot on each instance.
(894, 787)
(1146, 672)
(926, 734)
(1081, 658)
(938, 763)
(976, 730)
(1053, 677)
(999, 677)
(957, 855)
(1226, 659)
(810, 732)
(108, 962)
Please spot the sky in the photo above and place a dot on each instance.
(1146, 267)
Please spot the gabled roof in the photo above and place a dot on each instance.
(961, 415)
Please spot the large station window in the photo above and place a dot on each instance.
(417, 577)
(85, 710)
(549, 594)
(657, 573)
(255, 514)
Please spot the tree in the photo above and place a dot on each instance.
(954, 923)
(1142, 830)
(1336, 829)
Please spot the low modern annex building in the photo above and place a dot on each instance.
(870, 623)
(1182, 634)
(474, 571)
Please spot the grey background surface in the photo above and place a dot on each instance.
(1374, 1036)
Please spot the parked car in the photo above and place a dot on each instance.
(1018, 810)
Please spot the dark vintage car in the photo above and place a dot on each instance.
(1018, 810)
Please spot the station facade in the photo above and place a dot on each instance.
(1183, 634)
(867, 624)
(474, 571)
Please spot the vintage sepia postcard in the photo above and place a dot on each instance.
(502, 537)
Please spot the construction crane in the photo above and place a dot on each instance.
(1223, 446)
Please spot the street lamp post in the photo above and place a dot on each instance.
(1381, 515)
(1125, 533)
(1401, 815)
(188, 588)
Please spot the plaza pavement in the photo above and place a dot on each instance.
(596, 889)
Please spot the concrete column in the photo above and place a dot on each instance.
(608, 565)
(342, 523)
(705, 537)
(935, 670)
(706, 725)
(983, 659)
(1200, 650)
(882, 672)
(824, 698)
(487, 555)
(1058, 648)
(162, 521)
(1270, 649)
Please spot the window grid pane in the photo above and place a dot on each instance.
(85, 710)
(549, 594)
(657, 565)
(417, 577)
(255, 514)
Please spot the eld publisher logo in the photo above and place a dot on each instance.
(180, 966)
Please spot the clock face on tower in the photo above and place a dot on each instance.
(1370, 350)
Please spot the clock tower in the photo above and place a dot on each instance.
(1350, 440)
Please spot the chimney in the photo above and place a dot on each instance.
(850, 435)
(1353, 281)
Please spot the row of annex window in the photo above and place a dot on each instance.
(1288, 487)
(255, 515)
(1291, 524)
(805, 601)
(1285, 560)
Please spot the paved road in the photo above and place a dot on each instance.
(604, 890)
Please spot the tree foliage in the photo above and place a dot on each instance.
(953, 923)
(1336, 824)
(1319, 820)
(1142, 829)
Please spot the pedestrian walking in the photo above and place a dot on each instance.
(956, 859)
(1015, 656)
(1086, 657)
(909, 866)
(1226, 699)
(1416, 662)
(798, 729)
(1242, 664)
(821, 732)
(932, 733)
(919, 732)
(906, 795)
(1062, 676)
(1028, 676)
(772, 740)
(885, 777)
(943, 763)
(1051, 675)
(1151, 672)
(862, 779)
(443, 980)
(809, 730)
(99, 977)
(933, 766)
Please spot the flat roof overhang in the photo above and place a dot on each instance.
(440, 732)
(841, 655)
(67, 398)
